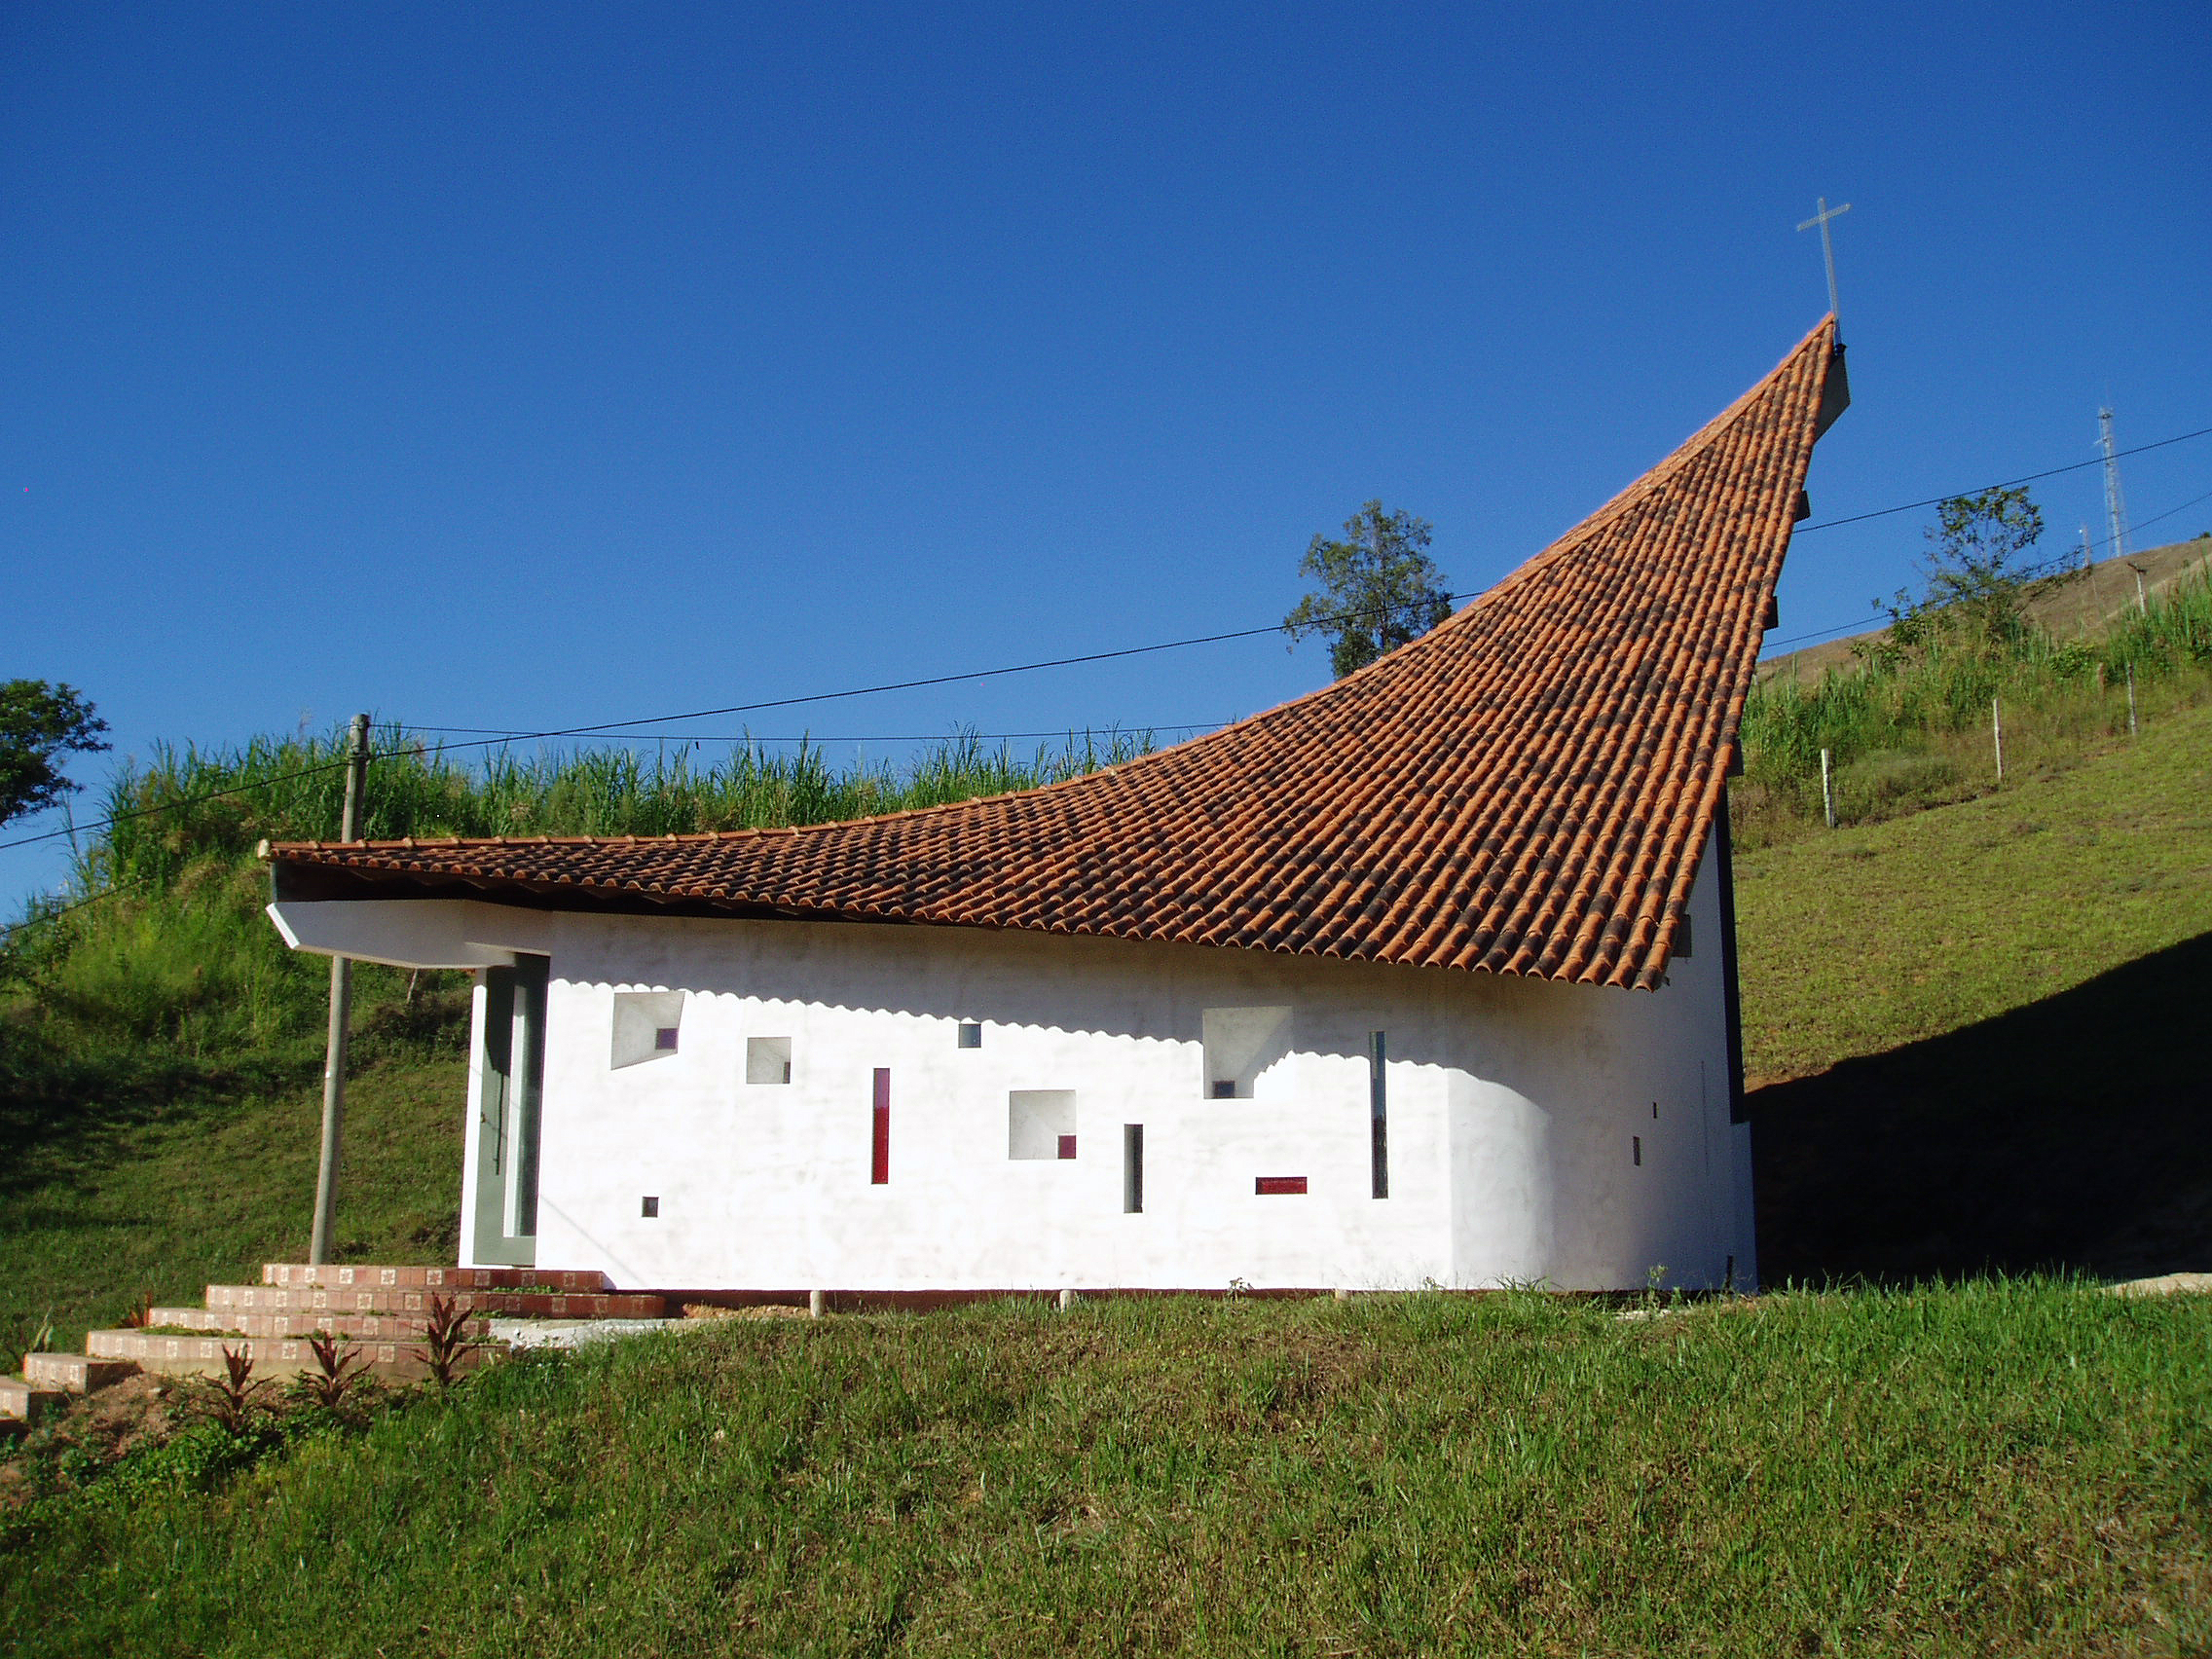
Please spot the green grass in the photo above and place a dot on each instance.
(1983, 1027)
(1881, 934)
(161, 1200)
(1910, 726)
(2003, 1469)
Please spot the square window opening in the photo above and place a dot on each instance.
(971, 1034)
(1241, 1044)
(647, 1025)
(650, 1208)
(767, 1059)
(1040, 1123)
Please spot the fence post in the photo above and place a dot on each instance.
(1997, 736)
(2131, 726)
(341, 1009)
(1828, 791)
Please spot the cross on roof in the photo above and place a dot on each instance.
(1827, 247)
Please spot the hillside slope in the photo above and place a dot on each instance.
(1985, 1027)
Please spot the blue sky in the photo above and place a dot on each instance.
(520, 367)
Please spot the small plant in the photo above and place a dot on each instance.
(231, 1400)
(28, 1337)
(447, 1338)
(338, 1375)
(140, 1315)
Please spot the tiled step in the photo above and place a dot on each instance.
(358, 1276)
(26, 1402)
(74, 1373)
(366, 1327)
(273, 1356)
(359, 1299)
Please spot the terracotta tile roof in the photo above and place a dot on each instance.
(1524, 789)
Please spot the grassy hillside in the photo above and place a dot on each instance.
(2016, 1468)
(1991, 1016)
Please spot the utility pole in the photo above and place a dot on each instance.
(341, 1009)
(2115, 504)
(2088, 582)
(1827, 246)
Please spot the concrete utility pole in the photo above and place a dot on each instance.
(1827, 246)
(340, 1011)
(2115, 504)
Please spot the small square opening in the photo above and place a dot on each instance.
(646, 1026)
(1040, 1123)
(767, 1059)
(1241, 1044)
(971, 1034)
(650, 1208)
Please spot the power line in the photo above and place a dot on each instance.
(2050, 566)
(44, 916)
(2030, 478)
(1126, 728)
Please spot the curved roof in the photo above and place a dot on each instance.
(1524, 789)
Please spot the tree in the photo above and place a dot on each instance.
(39, 723)
(1976, 591)
(1378, 588)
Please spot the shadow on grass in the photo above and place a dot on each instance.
(2072, 1134)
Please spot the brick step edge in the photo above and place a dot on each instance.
(74, 1373)
(272, 1356)
(361, 1327)
(568, 1281)
(357, 1299)
(24, 1402)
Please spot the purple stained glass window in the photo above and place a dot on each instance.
(664, 1040)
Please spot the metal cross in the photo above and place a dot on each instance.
(1827, 247)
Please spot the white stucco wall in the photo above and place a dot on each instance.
(1514, 1109)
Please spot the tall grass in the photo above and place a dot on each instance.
(1911, 729)
(191, 803)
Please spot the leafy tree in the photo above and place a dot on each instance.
(39, 723)
(1977, 590)
(1378, 588)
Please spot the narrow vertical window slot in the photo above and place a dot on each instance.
(1636, 1150)
(1132, 1168)
(879, 1160)
(1377, 1113)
